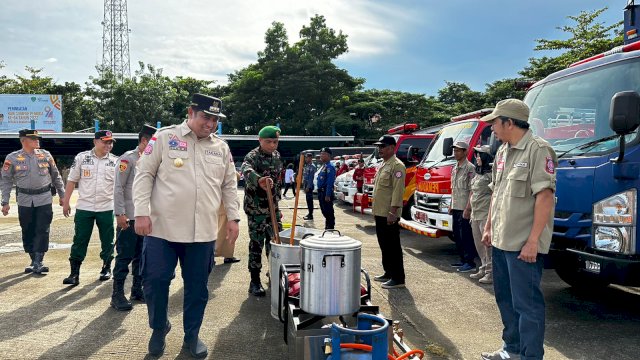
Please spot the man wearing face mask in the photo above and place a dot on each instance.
(480, 202)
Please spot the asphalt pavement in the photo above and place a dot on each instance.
(445, 313)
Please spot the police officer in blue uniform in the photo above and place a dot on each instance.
(326, 180)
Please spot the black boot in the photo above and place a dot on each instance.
(196, 348)
(118, 300)
(157, 341)
(43, 267)
(38, 266)
(136, 289)
(105, 273)
(74, 277)
(255, 287)
(29, 269)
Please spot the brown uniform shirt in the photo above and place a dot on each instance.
(519, 173)
(461, 176)
(181, 182)
(389, 187)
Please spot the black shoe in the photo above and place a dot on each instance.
(308, 217)
(38, 266)
(231, 260)
(457, 264)
(256, 289)
(74, 277)
(105, 273)
(196, 348)
(157, 342)
(392, 284)
(382, 278)
(118, 300)
(29, 269)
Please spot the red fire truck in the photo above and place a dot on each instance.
(411, 144)
(430, 214)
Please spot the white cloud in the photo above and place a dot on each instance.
(51, 60)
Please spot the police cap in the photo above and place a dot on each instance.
(147, 130)
(207, 104)
(385, 140)
(326, 150)
(29, 133)
(104, 135)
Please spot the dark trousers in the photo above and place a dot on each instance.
(326, 207)
(463, 237)
(291, 185)
(83, 221)
(309, 196)
(35, 222)
(129, 248)
(159, 260)
(517, 287)
(389, 241)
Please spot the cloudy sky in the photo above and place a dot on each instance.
(407, 45)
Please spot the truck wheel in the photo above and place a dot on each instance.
(406, 210)
(570, 274)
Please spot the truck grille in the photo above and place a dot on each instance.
(426, 202)
(368, 189)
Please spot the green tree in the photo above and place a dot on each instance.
(587, 37)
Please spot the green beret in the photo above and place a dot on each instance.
(269, 132)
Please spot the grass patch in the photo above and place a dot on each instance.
(436, 350)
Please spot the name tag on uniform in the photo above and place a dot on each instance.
(521, 165)
(21, 167)
(213, 153)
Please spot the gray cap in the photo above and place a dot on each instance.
(461, 145)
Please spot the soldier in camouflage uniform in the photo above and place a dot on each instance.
(128, 243)
(261, 168)
(34, 171)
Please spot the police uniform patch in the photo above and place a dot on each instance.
(20, 158)
(550, 167)
(6, 165)
(149, 149)
(398, 174)
(177, 144)
(123, 165)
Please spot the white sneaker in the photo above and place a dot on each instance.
(501, 354)
(487, 279)
(477, 275)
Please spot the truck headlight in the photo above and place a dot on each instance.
(614, 223)
(444, 204)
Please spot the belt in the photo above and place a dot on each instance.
(34, 191)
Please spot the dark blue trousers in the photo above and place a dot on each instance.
(309, 196)
(463, 237)
(517, 287)
(326, 207)
(129, 248)
(159, 260)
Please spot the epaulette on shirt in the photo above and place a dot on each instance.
(541, 142)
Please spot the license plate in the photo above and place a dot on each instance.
(445, 223)
(592, 266)
(422, 217)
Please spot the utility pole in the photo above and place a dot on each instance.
(115, 39)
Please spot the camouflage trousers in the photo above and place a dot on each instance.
(260, 234)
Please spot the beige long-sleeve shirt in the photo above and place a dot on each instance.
(181, 182)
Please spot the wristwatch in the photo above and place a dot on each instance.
(121, 214)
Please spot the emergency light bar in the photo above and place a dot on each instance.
(405, 128)
(616, 50)
(472, 115)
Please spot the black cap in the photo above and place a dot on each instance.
(207, 104)
(29, 133)
(104, 135)
(147, 130)
(308, 154)
(326, 150)
(386, 140)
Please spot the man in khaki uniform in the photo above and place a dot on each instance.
(387, 208)
(461, 176)
(519, 228)
(183, 177)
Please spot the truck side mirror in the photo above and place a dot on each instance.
(447, 147)
(494, 144)
(624, 116)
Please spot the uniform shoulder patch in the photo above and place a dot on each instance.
(149, 149)
(550, 167)
(398, 174)
(123, 165)
(6, 165)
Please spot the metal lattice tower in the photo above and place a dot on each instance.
(115, 38)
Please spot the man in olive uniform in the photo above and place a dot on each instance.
(183, 177)
(307, 183)
(461, 176)
(94, 171)
(34, 171)
(387, 207)
(520, 226)
(261, 168)
(128, 243)
(326, 182)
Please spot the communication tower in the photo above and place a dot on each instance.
(115, 38)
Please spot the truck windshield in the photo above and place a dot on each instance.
(459, 132)
(574, 110)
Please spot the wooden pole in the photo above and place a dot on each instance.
(274, 222)
(295, 207)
